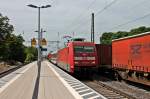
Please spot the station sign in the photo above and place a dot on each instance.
(43, 49)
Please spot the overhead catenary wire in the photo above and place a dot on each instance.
(99, 12)
(128, 22)
(139, 4)
(131, 21)
(106, 7)
(109, 5)
(134, 20)
(82, 13)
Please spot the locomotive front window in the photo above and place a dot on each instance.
(84, 49)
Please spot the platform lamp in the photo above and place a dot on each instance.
(39, 32)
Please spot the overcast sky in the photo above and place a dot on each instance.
(67, 16)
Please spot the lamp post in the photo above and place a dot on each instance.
(39, 32)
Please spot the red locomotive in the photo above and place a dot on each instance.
(77, 55)
(49, 56)
(131, 58)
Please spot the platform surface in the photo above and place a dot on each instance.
(50, 85)
(45, 82)
(23, 84)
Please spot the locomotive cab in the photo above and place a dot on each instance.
(84, 55)
(84, 58)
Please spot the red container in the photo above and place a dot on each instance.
(77, 55)
(132, 53)
(104, 55)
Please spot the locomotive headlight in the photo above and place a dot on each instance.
(77, 58)
(76, 62)
(90, 58)
(93, 62)
(84, 58)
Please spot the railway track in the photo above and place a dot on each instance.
(6, 72)
(113, 89)
(107, 91)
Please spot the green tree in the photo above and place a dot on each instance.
(11, 46)
(119, 34)
(107, 37)
(16, 48)
(139, 30)
(31, 54)
(5, 30)
(5, 27)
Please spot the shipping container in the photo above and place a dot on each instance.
(104, 55)
(131, 58)
(132, 53)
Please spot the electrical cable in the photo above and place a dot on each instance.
(131, 21)
(100, 11)
(80, 15)
(106, 7)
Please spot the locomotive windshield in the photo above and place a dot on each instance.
(84, 48)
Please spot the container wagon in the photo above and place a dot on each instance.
(104, 55)
(77, 56)
(131, 58)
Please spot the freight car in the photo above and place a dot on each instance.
(131, 58)
(77, 56)
(104, 55)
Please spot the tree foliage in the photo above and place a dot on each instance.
(5, 28)
(11, 45)
(107, 37)
(31, 54)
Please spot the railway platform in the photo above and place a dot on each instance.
(45, 82)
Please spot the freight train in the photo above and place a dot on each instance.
(131, 57)
(127, 58)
